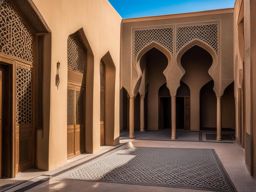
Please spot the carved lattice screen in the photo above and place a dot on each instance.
(207, 33)
(16, 38)
(163, 36)
(76, 55)
(24, 99)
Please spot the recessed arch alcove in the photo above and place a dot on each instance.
(196, 61)
(25, 62)
(152, 64)
(80, 98)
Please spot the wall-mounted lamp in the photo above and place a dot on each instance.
(57, 78)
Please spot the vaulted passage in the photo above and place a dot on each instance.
(196, 61)
(155, 94)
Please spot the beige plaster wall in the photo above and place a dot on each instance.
(245, 70)
(101, 25)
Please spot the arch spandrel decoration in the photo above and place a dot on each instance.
(207, 33)
(16, 38)
(144, 37)
(162, 49)
(213, 71)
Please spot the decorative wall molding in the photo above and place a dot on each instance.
(144, 37)
(175, 37)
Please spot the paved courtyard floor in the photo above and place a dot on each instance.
(159, 166)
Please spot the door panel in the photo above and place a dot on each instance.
(75, 122)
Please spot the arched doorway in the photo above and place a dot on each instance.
(107, 100)
(164, 108)
(76, 104)
(124, 110)
(196, 62)
(208, 102)
(25, 88)
(228, 113)
(152, 63)
(183, 107)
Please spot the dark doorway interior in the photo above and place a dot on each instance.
(137, 113)
(180, 112)
(124, 110)
(5, 122)
(164, 108)
(165, 113)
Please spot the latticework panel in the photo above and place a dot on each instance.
(163, 36)
(207, 33)
(76, 55)
(24, 99)
(16, 39)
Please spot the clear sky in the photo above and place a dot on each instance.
(141, 8)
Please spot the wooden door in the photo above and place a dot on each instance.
(75, 127)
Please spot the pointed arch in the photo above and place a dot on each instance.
(196, 42)
(145, 50)
(86, 72)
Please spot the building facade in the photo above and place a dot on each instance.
(73, 77)
(51, 55)
(177, 72)
(244, 65)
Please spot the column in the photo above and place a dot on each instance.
(131, 118)
(173, 117)
(142, 114)
(218, 118)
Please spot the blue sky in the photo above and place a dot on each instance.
(141, 8)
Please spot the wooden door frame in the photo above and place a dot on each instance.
(7, 60)
(13, 62)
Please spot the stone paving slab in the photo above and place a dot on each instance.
(198, 169)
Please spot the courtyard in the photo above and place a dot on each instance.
(151, 165)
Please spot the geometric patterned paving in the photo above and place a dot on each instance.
(198, 169)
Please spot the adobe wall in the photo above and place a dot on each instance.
(101, 25)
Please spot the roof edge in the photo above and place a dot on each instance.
(180, 15)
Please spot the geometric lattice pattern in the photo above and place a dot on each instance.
(207, 33)
(76, 55)
(16, 39)
(198, 169)
(24, 99)
(163, 36)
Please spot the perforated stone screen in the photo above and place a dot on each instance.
(76, 55)
(163, 36)
(207, 33)
(16, 38)
(24, 99)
